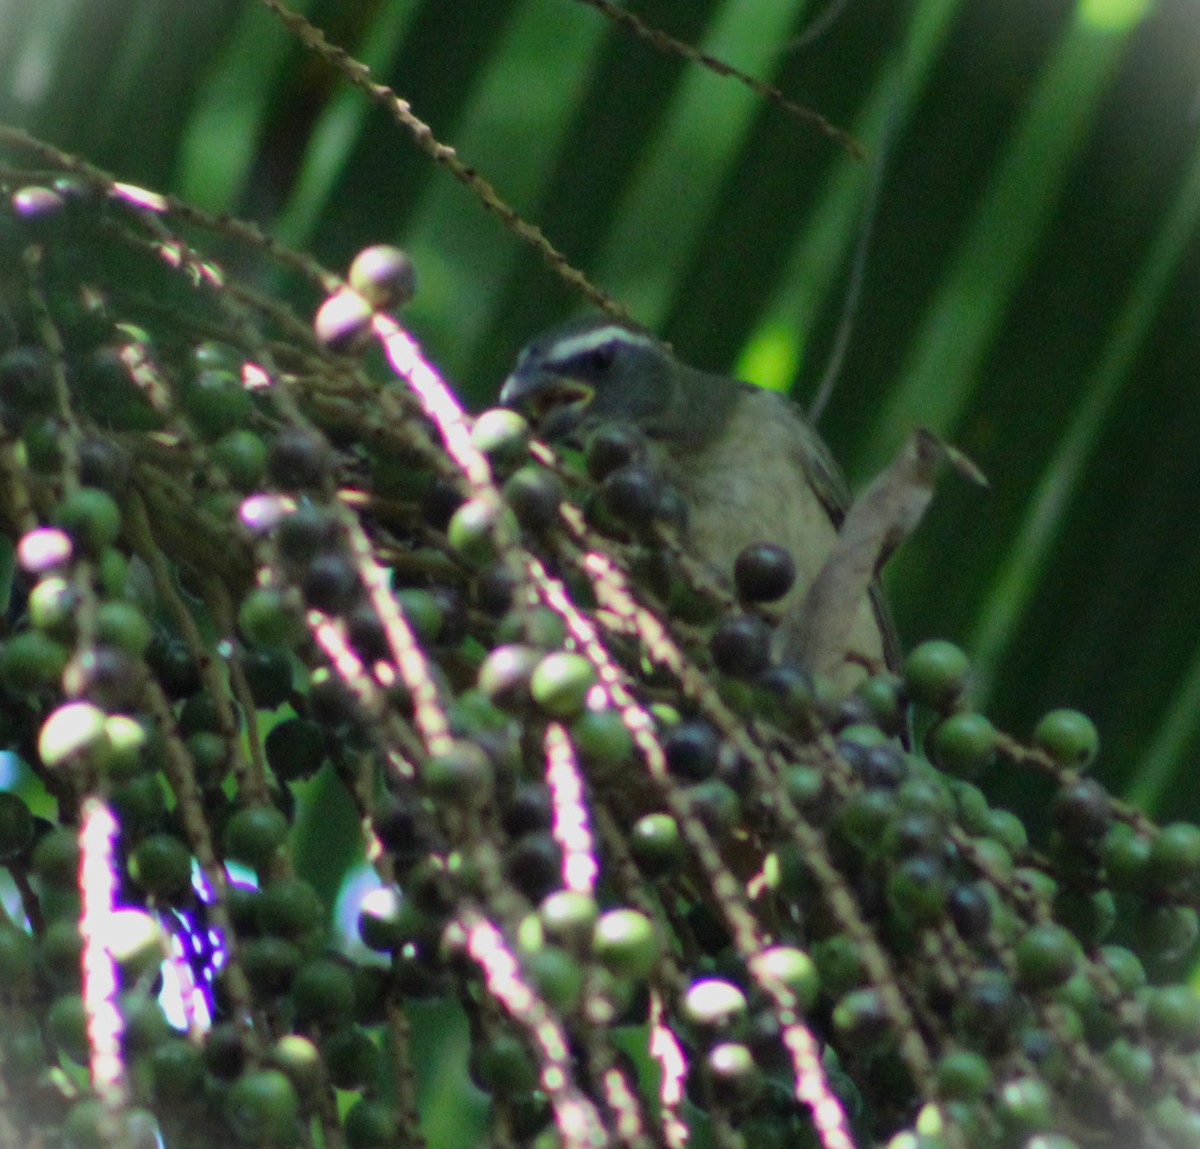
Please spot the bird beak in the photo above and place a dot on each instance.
(555, 404)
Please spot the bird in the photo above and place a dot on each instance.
(748, 466)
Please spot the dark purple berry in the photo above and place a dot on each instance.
(741, 646)
(763, 572)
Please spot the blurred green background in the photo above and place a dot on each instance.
(1019, 255)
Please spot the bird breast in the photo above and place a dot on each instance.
(754, 482)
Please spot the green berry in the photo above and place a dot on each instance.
(1026, 1104)
(253, 835)
(217, 403)
(1133, 1064)
(371, 1124)
(935, 674)
(176, 1072)
(350, 1057)
(503, 436)
(210, 757)
(242, 455)
(861, 1021)
(84, 1126)
(1090, 917)
(30, 662)
(129, 748)
(917, 888)
(657, 844)
(56, 858)
(323, 993)
(1005, 827)
(1125, 855)
(123, 625)
(732, 1073)
(52, 607)
(91, 517)
(67, 1020)
(963, 1075)
(1173, 1014)
(423, 612)
(560, 683)
(60, 949)
(963, 744)
(296, 749)
(602, 738)
(137, 943)
(1167, 932)
(461, 774)
(805, 786)
(505, 1067)
(1046, 955)
(290, 908)
(146, 1026)
(883, 695)
(794, 968)
(1068, 737)
(271, 964)
(568, 918)
(839, 964)
(625, 944)
(475, 527)
(1175, 856)
(1124, 966)
(261, 1108)
(161, 865)
(265, 619)
(557, 976)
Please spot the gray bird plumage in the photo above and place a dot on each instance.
(749, 467)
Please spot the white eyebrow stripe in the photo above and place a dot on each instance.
(567, 349)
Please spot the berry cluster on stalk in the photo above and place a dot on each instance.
(667, 889)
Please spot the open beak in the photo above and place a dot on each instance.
(554, 404)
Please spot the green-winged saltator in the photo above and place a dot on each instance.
(747, 465)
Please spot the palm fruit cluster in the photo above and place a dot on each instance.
(673, 894)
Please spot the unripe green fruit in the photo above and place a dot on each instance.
(30, 662)
(1069, 737)
(560, 683)
(264, 618)
(161, 865)
(91, 517)
(253, 835)
(261, 1108)
(1046, 956)
(935, 674)
(625, 944)
(963, 744)
(242, 455)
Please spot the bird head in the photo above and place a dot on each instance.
(591, 371)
